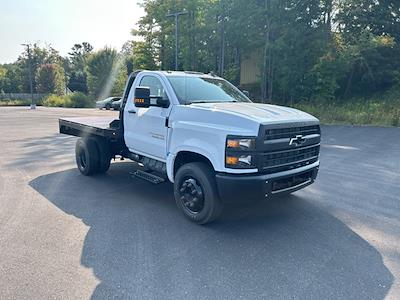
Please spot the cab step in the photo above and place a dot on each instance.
(148, 176)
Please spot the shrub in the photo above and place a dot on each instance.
(79, 99)
(396, 118)
(57, 101)
(19, 102)
(75, 100)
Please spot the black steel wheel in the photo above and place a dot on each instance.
(192, 195)
(196, 193)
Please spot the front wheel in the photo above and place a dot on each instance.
(196, 194)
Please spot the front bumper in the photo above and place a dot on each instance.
(241, 188)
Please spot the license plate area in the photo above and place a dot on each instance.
(291, 182)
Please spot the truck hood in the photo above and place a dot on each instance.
(262, 113)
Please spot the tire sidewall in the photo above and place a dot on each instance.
(206, 181)
(88, 147)
(104, 155)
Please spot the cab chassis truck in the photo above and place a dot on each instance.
(205, 136)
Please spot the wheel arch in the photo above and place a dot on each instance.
(186, 156)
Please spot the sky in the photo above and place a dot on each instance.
(63, 23)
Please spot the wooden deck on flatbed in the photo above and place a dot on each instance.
(85, 126)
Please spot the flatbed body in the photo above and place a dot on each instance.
(107, 127)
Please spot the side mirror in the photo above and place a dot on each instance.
(142, 97)
(162, 102)
(246, 93)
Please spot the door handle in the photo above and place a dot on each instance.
(131, 111)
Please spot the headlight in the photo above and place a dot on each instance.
(239, 161)
(239, 152)
(240, 143)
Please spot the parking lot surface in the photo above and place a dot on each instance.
(66, 236)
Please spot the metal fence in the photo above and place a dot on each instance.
(21, 96)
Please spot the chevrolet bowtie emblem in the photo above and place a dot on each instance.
(297, 140)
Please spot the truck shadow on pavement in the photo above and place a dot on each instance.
(139, 245)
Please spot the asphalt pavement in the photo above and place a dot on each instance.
(67, 236)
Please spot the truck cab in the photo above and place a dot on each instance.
(205, 136)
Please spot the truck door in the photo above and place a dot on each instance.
(144, 128)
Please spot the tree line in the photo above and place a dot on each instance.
(309, 50)
(96, 73)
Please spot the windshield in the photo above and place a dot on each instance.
(191, 89)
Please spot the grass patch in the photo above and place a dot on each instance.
(381, 110)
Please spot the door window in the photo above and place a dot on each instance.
(155, 85)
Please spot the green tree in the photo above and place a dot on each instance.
(39, 56)
(104, 69)
(79, 55)
(138, 56)
(13, 80)
(3, 74)
(119, 82)
(50, 79)
(77, 68)
(216, 35)
(371, 33)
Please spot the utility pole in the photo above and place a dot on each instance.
(176, 16)
(28, 46)
(222, 53)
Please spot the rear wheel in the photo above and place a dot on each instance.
(104, 155)
(196, 194)
(87, 157)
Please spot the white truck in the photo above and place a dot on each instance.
(205, 136)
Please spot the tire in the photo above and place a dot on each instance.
(104, 155)
(87, 157)
(200, 181)
(108, 106)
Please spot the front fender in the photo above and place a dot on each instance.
(211, 154)
(186, 136)
(208, 141)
